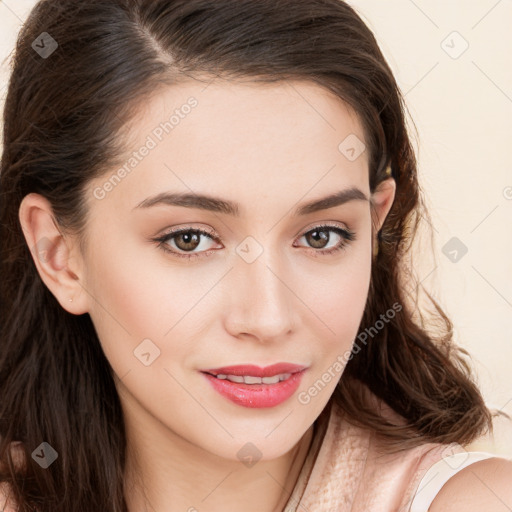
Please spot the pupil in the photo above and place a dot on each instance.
(189, 239)
(319, 236)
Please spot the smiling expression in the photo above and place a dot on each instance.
(243, 236)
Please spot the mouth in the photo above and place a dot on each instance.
(251, 379)
(254, 386)
(252, 374)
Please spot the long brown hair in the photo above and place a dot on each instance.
(63, 115)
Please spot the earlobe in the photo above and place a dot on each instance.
(51, 252)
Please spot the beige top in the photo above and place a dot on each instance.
(344, 470)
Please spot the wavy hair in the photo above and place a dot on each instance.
(63, 117)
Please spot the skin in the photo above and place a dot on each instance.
(483, 485)
(270, 148)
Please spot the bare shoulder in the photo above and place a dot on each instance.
(483, 485)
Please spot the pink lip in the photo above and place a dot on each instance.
(257, 395)
(257, 371)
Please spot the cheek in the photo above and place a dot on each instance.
(130, 300)
(337, 294)
(138, 295)
(338, 300)
(345, 301)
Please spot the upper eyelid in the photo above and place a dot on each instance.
(212, 233)
(171, 233)
(324, 224)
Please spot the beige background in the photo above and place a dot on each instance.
(461, 103)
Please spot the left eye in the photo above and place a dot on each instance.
(318, 237)
(189, 239)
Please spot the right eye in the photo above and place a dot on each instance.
(185, 240)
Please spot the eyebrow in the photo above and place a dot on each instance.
(215, 204)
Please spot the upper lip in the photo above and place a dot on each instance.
(257, 371)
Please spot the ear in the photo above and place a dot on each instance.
(52, 253)
(382, 200)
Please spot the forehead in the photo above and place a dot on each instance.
(241, 140)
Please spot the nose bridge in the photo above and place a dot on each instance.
(262, 303)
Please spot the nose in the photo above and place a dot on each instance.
(262, 301)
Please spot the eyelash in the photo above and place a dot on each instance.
(347, 236)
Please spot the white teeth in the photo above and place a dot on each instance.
(249, 379)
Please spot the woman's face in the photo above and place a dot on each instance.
(263, 285)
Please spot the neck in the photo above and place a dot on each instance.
(192, 479)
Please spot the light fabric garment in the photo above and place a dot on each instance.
(345, 472)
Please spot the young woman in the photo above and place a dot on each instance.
(207, 210)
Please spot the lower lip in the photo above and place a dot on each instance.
(257, 395)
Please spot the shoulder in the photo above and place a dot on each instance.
(483, 485)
